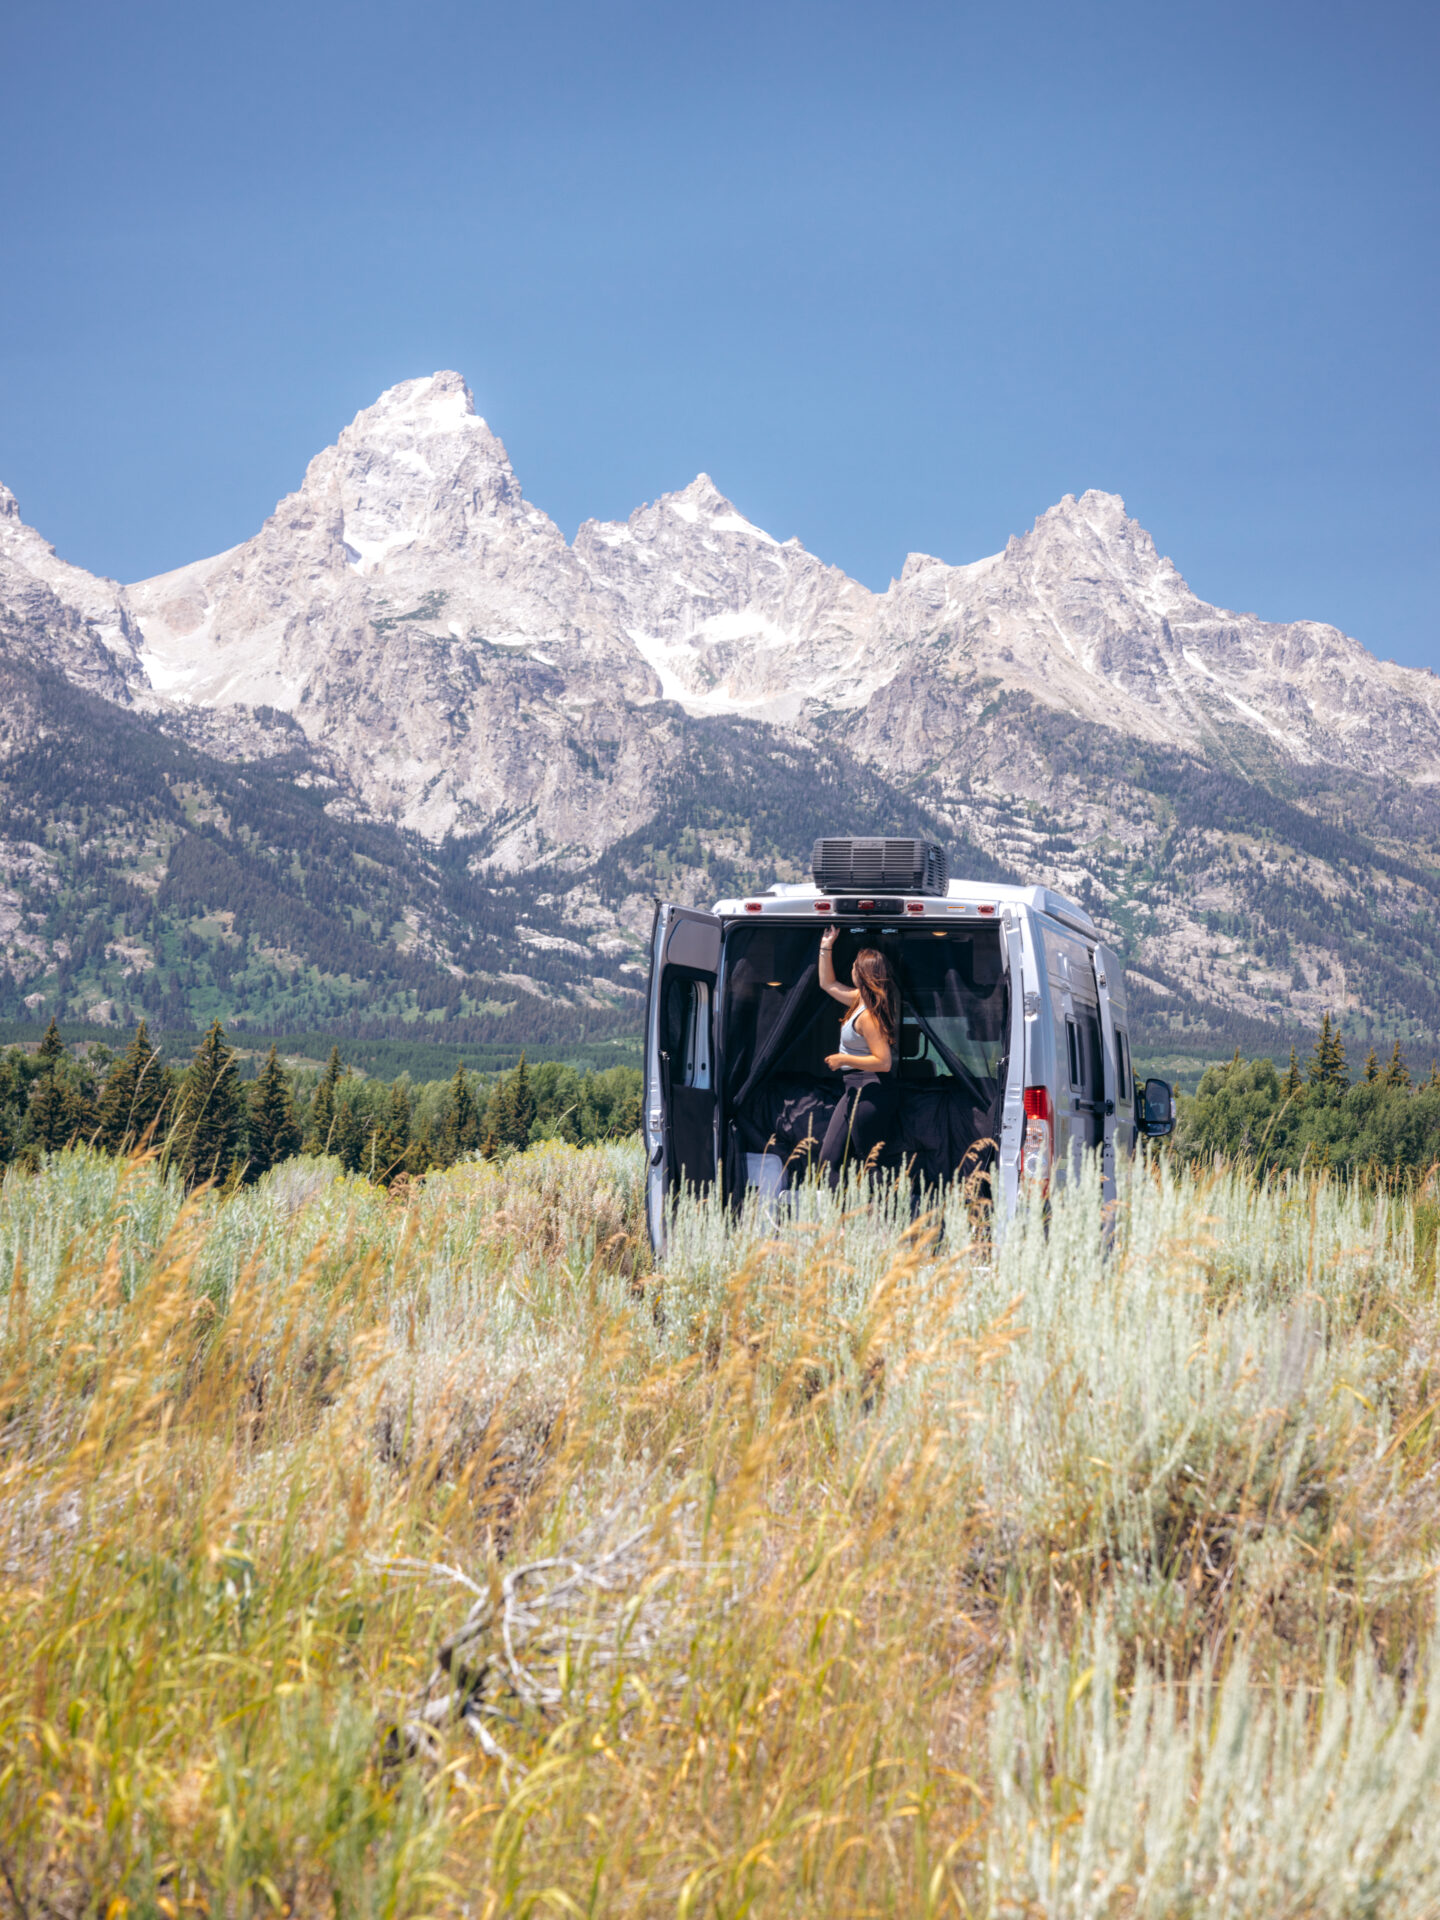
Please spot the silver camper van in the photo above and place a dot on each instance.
(1014, 1050)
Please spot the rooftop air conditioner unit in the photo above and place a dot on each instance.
(899, 866)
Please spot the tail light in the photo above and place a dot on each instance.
(753, 906)
(822, 906)
(914, 906)
(1038, 1149)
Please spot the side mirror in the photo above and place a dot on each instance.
(1155, 1109)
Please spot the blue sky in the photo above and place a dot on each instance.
(897, 276)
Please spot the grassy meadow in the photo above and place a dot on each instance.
(429, 1552)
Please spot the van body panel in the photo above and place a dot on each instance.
(1012, 1132)
(1107, 970)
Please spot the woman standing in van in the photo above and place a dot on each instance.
(868, 1116)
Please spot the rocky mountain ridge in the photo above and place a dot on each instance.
(413, 641)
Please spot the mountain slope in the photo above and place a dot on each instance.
(410, 648)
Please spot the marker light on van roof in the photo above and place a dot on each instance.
(914, 906)
(822, 906)
(986, 909)
(752, 906)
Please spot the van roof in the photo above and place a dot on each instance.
(1046, 900)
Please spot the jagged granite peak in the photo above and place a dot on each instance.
(426, 625)
(441, 659)
(1086, 616)
(74, 620)
(435, 636)
(731, 619)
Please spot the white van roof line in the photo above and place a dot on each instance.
(1045, 900)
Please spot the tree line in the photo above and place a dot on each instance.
(211, 1125)
(1381, 1121)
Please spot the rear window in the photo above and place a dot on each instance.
(952, 978)
(956, 983)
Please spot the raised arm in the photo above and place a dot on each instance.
(847, 996)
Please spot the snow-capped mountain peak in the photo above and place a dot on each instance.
(432, 628)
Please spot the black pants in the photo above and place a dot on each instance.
(867, 1119)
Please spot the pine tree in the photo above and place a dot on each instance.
(51, 1050)
(1397, 1074)
(391, 1140)
(522, 1106)
(79, 1107)
(320, 1133)
(1372, 1067)
(499, 1121)
(1327, 1062)
(273, 1132)
(49, 1117)
(59, 1110)
(211, 1110)
(460, 1132)
(351, 1137)
(1292, 1082)
(134, 1098)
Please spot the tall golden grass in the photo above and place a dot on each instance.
(434, 1553)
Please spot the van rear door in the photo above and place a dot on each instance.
(1108, 975)
(678, 1112)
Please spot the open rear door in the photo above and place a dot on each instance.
(1108, 971)
(678, 1114)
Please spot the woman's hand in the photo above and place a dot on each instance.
(836, 1061)
(828, 938)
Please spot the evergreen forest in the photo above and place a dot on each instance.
(213, 1127)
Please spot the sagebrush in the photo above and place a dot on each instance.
(436, 1552)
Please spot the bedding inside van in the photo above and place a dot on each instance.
(776, 1027)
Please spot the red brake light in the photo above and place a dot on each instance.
(985, 909)
(864, 906)
(822, 906)
(752, 906)
(914, 906)
(1038, 1146)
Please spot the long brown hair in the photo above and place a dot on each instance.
(877, 991)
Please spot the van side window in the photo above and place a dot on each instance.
(685, 1030)
(1122, 1063)
(1072, 1040)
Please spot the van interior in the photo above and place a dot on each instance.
(776, 1026)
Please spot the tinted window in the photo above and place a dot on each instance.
(953, 978)
(1092, 1055)
(762, 965)
(1072, 1041)
(955, 982)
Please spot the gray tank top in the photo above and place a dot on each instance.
(851, 1038)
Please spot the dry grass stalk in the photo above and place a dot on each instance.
(847, 1565)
